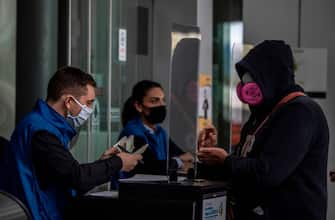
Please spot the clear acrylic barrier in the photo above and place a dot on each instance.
(239, 111)
(183, 96)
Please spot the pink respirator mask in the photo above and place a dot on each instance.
(248, 91)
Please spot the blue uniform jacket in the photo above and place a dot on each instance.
(22, 181)
(157, 141)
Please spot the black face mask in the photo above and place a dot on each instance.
(156, 114)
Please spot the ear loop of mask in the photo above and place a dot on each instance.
(85, 107)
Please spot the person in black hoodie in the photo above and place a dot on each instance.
(279, 168)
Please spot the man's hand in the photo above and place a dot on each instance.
(186, 166)
(207, 137)
(109, 152)
(129, 161)
(212, 155)
(187, 157)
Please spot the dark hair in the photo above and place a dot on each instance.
(69, 80)
(139, 91)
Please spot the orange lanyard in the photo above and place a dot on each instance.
(250, 139)
(284, 100)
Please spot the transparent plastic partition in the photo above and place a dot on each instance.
(183, 99)
(239, 111)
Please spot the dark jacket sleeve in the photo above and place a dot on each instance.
(54, 164)
(151, 165)
(285, 146)
(174, 149)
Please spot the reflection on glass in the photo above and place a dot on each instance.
(227, 109)
(239, 111)
(135, 67)
(7, 66)
(79, 58)
(89, 37)
(99, 70)
(183, 102)
(79, 33)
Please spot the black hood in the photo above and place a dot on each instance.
(271, 65)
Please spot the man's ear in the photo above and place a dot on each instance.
(138, 106)
(67, 101)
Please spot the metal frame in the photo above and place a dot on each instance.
(89, 70)
(69, 51)
(109, 77)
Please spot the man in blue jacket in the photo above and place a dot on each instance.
(279, 168)
(42, 171)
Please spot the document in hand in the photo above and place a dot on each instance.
(126, 144)
(141, 149)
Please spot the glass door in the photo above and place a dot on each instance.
(90, 50)
(7, 66)
(78, 50)
(112, 40)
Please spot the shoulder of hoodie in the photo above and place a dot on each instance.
(301, 105)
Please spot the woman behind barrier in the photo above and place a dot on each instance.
(142, 113)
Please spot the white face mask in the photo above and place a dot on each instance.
(83, 115)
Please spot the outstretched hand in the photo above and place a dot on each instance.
(212, 155)
(207, 137)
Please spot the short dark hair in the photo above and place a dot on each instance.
(69, 80)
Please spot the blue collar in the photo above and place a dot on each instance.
(145, 128)
(54, 118)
